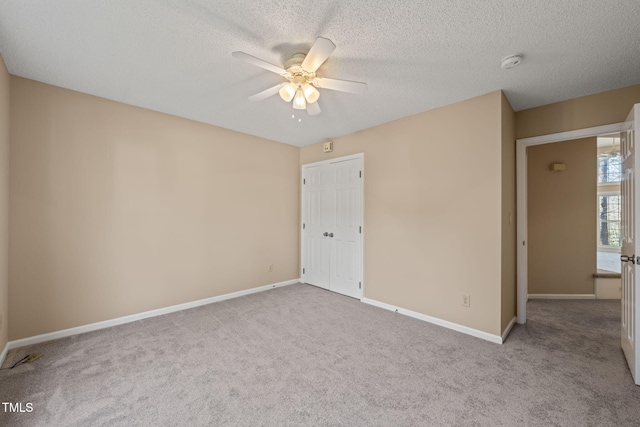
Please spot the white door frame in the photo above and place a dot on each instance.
(359, 262)
(521, 191)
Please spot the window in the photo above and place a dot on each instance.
(609, 220)
(609, 223)
(609, 169)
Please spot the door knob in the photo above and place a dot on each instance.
(330, 234)
(325, 234)
(627, 258)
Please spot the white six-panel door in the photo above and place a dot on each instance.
(630, 192)
(345, 243)
(332, 225)
(316, 198)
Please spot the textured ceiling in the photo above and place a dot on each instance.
(174, 56)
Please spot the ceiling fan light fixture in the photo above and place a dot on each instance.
(310, 93)
(299, 101)
(287, 92)
(302, 83)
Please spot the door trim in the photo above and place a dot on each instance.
(359, 262)
(521, 199)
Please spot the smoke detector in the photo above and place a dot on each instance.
(511, 61)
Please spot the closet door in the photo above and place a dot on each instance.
(332, 225)
(317, 211)
(345, 243)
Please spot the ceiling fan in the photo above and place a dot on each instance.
(302, 82)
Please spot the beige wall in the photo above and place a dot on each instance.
(578, 113)
(4, 204)
(433, 195)
(508, 298)
(562, 217)
(117, 210)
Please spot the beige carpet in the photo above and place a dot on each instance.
(301, 356)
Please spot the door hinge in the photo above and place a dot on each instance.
(360, 229)
(303, 225)
(303, 271)
(360, 174)
(359, 285)
(304, 182)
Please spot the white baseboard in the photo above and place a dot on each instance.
(508, 328)
(134, 317)
(561, 296)
(445, 323)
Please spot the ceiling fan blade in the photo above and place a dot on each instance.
(259, 62)
(318, 53)
(313, 109)
(266, 93)
(341, 85)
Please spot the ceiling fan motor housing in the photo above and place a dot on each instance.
(295, 60)
(296, 74)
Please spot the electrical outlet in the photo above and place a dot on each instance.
(466, 300)
(270, 268)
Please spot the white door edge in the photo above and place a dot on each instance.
(521, 202)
